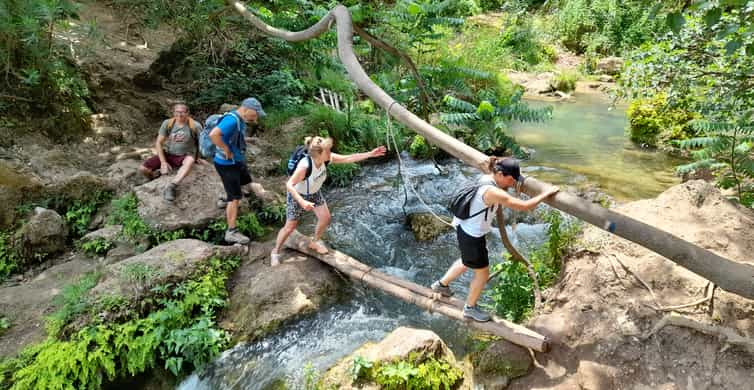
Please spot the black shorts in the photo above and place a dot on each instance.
(233, 177)
(473, 250)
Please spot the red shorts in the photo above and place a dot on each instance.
(153, 163)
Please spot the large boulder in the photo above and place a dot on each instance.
(16, 187)
(426, 226)
(171, 262)
(124, 175)
(610, 65)
(498, 363)
(195, 205)
(263, 298)
(27, 305)
(402, 344)
(44, 234)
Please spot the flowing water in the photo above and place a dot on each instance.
(584, 143)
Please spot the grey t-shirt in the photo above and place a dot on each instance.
(180, 139)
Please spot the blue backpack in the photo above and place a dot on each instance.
(206, 147)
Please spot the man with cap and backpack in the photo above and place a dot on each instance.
(473, 208)
(226, 144)
(175, 148)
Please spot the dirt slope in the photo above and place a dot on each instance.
(598, 313)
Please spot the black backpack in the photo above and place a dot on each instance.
(460, 201)
(297, 155)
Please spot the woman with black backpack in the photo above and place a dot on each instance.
(308, 171)
(489, 193)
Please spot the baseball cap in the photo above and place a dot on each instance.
(254, 104)
(508, 167)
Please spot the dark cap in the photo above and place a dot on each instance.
(508, 167)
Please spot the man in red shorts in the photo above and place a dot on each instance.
(176, 148)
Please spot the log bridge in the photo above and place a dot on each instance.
(418, 295)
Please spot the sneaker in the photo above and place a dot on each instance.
(235, 237)
(475, 313)
(169, 192)
(443, 290)
(274, 259)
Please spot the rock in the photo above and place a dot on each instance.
(170, 262)
(195, 205)
(594, 85)
(595, 376)
(80, 185)
(27, 305)
(15, 187)
(426, 226)
(705, 174)
(606, 79)
(398, 345)
(123, 250)
(263, 298)
(137, 154)
(44, 234)
(124, 175)
(500, 362)
(610, 65)
(108, 233)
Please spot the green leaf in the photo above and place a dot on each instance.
(712, 17)
(732, 46)
(654, 10)
(414, 9)
(750, 49)
(675, 21)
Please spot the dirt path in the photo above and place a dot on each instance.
(599, 312)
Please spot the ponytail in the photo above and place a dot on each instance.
(316, 145)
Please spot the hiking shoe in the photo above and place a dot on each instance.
(169, 192)
(235, 237)
(443, 290)
(475, 313)
(274, 259)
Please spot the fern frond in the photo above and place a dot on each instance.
(458, 105)
(698, 142)
(711, 127)
(458, 118)
(690, 167)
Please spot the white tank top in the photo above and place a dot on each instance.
(480, 224)
(315, 180)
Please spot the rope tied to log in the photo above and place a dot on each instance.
(406, 181)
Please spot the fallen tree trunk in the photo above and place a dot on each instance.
(418, 295)
(731, 276)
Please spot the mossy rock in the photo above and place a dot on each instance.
(500, 362)
(426, 226)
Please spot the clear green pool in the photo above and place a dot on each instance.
(585, 143)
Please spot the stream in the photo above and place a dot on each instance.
(583, 144)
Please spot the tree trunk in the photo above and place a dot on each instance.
(418, 295)
(735, 277)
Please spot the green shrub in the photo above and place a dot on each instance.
(419, 148)
(71, 302)
(248, 224)
(430, 374)
(512, 292)
(96, 247)
(566, 81)
(125, 212)
(79, 212)
(274, 213)
(651, 121)
(181, 336)
(9, 255)
(341, 175)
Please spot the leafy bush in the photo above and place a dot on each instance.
(79, 212)
(248, 224)
(9, 255)
(341, 175)
(72, 301)
(566, 81)
(606, 27)
(651, 121)
(419, 148)
(46, 83)
(360, 368)
(430, 374)
(125, 212)
(511, 294)
(96, 247)
(181, 336)
(274, 213)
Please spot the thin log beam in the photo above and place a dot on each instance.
(418, 295)
(735, 277)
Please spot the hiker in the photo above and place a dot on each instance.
(304, 194)
(482, 207)
(230, 160)
(175, 148)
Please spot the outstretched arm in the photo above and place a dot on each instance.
(501, 197)
(356, 157)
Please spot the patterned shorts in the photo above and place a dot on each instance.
(294, 210)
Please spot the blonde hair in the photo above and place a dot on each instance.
(316, 145)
